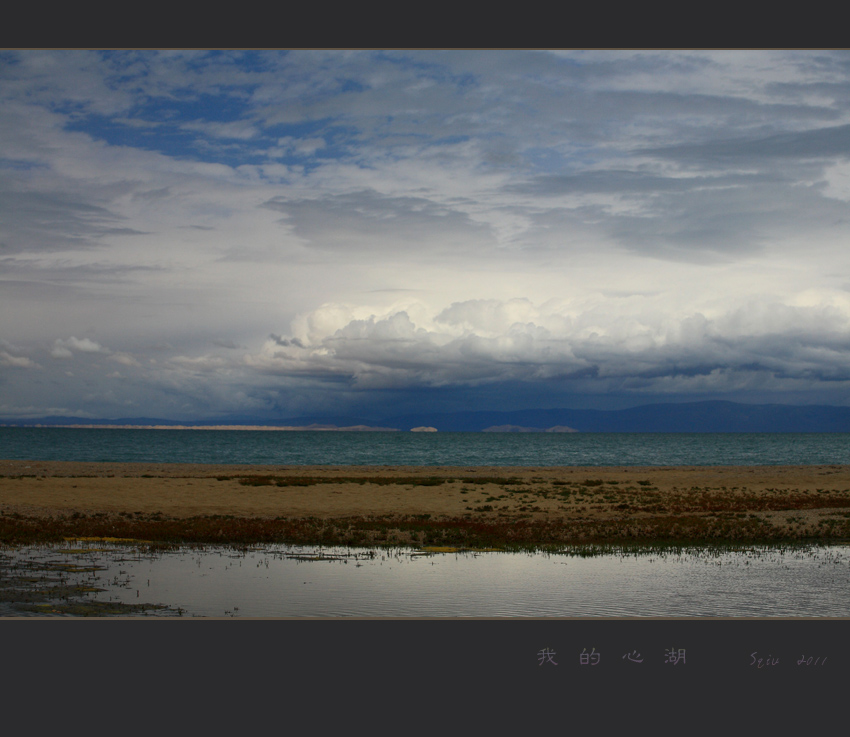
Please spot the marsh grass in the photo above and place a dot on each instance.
(92, 608)
(471, 531)
(283, 481)
(315, 480)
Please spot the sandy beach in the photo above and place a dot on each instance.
(423, 505)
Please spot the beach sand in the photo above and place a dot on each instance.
(424, 505)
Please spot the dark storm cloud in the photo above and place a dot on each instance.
(622, 181)
(467, 346)
(369, 221)
(724, 221)
(42, 221)
(821, 143)
(691, 218)
(286, 342)
(56, 271)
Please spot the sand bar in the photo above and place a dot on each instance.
(565, 503)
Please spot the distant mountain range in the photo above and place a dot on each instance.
(709, 416)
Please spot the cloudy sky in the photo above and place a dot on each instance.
(189, 235)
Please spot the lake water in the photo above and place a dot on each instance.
(285, 581)
(423, 449)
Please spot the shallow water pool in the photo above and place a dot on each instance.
(287, 581)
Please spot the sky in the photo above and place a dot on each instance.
(201, 234)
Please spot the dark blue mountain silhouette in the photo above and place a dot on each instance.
(709, 416)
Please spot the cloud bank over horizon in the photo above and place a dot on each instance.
(192, 234)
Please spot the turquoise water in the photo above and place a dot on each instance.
(423, 449)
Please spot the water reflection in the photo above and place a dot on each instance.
(286, 581)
